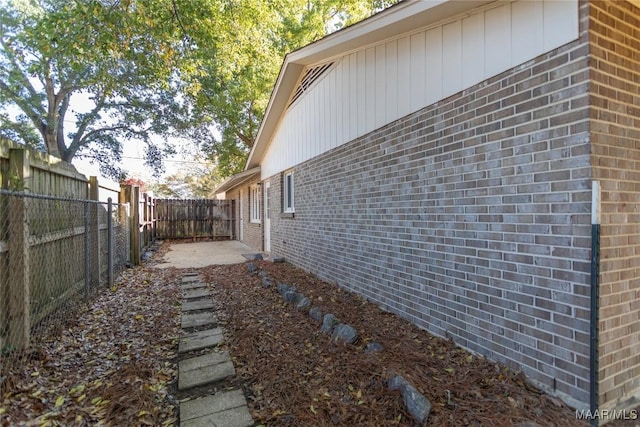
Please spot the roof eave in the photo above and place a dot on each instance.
(392, 22)
(237, 180)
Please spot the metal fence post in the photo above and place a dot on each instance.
(87, 267)
(109, 242)
(95, 263)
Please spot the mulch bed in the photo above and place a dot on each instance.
(294, 375)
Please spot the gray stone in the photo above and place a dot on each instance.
(275, 259)
(193, 285)
(397, 383)
(192, 320)
(255, 257)
(196, 293)
(205, 369)
(292, 297)
(373, 347)
(266, 282)
(146, 256)
(344, 333)
(228, 408)
(204, 304)
(199, 340)
(315, 313)
(417, 405)
(328, 322)
(262, 274)
(283, 288)
(251, 268)
(304, 304)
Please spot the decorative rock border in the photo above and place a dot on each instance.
(417, 405)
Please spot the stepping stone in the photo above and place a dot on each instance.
(189, 279)
(202, 304)
(193, 285)
(200, 340)
(196, 293)
(205, 369)
(228, 408)
(191, 320)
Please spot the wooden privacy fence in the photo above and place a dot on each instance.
(60, 237)
(201, 218)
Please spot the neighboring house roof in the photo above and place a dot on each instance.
(401, 18)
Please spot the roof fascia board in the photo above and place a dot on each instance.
(236, 180)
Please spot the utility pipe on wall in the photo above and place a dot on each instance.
(595, 295)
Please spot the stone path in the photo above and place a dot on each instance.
(202, 364)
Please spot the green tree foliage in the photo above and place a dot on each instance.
(194, 182)
(122, 57)
(202, 69)
(241, 62)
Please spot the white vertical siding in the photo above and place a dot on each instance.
(497, 34)
(452, 57)
(371, 87)
(559, 22)
(404, 74)
(527, 30)
(391, 68)
(380, 86)
(418, 68)
(473, 47)
(342, 103)
(433, 72)
(371, 91)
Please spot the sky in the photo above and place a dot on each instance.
(133, 157)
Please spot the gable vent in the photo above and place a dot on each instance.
(310, 76)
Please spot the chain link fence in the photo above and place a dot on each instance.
(55, 254)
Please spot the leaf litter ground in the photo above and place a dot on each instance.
(111, 363)
(115, 362)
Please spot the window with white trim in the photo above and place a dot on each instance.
(254, 203)
(288, 193)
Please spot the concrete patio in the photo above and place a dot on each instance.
(203, 254)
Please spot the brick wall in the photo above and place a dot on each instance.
(470, 218)
(615, 133)
(252, 232)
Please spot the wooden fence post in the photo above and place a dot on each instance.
(134, 200)
(19, 279)
(123, 198)
(94, 233)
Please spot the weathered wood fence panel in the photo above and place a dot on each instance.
(197, 218)
(54, 238)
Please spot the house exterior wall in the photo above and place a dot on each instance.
(251, 231)
(615, 134)
(470, 218)
(378, 84)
